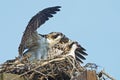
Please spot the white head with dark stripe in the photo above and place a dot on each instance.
(72, 48)
(54, 37)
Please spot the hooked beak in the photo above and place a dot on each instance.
(43, 35)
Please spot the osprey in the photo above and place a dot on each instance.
(50, 45)
(65, 47)
(31, 40)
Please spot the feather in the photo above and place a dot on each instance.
(78, 59)
(81, 51)
(79, 55)
(35, 22)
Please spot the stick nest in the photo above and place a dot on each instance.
(53, 69)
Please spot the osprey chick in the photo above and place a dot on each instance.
(31, 40)
(64, 47)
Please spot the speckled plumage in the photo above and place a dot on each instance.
(50, 45)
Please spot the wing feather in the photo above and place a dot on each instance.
(81, 51)
(79, 55)
(35, 22)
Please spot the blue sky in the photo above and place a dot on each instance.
(95, 24)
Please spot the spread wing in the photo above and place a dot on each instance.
(80, 53)
(67, 47)
(36, 21)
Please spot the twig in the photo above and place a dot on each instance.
(107, 75)
(31, 76)
(45, 63)
(40, 72)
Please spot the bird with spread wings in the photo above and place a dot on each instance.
(30, 35)
(50, 45)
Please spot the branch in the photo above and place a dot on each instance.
(43, 64)
(107, 75)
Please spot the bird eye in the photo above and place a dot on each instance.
(55, 36)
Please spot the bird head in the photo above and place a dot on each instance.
(54, 37)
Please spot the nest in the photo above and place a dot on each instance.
(53, 69)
